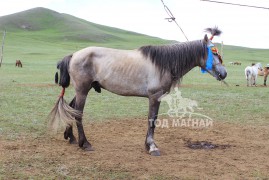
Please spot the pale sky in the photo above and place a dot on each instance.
(241, 26)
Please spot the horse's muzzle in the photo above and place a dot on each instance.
(222, 76)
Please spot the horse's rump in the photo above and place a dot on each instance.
(248, 72)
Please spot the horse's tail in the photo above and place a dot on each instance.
(62, 111)
(63, 66)
(247, 73)
(56, 78)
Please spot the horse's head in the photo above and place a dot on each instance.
(259, 66)
(213, 63)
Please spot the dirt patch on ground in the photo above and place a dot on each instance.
(119, 153)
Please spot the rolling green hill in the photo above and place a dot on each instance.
(44, 34)
(63, 27)
(41, 33)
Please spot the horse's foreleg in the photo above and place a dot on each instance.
(150, 145)
(251, 81)
(265, 79)
(69, 129)
(82, 140)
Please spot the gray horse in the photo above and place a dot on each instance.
(150, 71)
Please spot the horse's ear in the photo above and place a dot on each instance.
(206, 38)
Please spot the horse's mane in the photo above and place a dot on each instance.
(176, 58)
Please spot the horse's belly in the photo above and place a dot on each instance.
(125, 85)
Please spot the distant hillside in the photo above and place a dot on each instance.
(63, 27)
(43, 34)
(31, 20)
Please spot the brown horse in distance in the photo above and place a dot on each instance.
(265, 74)
(18, 63)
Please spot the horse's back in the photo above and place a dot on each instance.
(101, 58)
(124, 72)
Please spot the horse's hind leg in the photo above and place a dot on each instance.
(255, 81)
(69, 134)
(69, 129)
(79, 105)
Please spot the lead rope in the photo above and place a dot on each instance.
(172, 18)
(220, 80)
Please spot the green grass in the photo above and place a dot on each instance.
(28, 94)
(26, 99)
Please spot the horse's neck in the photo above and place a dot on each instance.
(189, 68)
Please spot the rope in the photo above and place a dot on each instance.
(172, 18)
(236, 4)
(62, 93)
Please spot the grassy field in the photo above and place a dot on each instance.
(27, 94)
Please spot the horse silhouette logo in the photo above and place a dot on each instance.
(178, 106)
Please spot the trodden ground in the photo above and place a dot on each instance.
(119, 153)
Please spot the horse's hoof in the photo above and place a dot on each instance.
(65, 135)
(73, 141)
(86, 146)
(155, 153)
(89, 148)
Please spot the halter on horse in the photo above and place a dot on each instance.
(150, 71)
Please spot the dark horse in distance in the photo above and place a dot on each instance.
(150, 71)
(18, 63)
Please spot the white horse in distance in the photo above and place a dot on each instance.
(251, 73)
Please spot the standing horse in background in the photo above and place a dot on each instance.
(265, 74)
(150, 71)
(18, 63)
(251, 73)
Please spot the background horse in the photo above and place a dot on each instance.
(265, 74)
(251, 73)
(235, 63)
(18, 63)
(150, 71)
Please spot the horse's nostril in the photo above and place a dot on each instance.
(223, 76)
